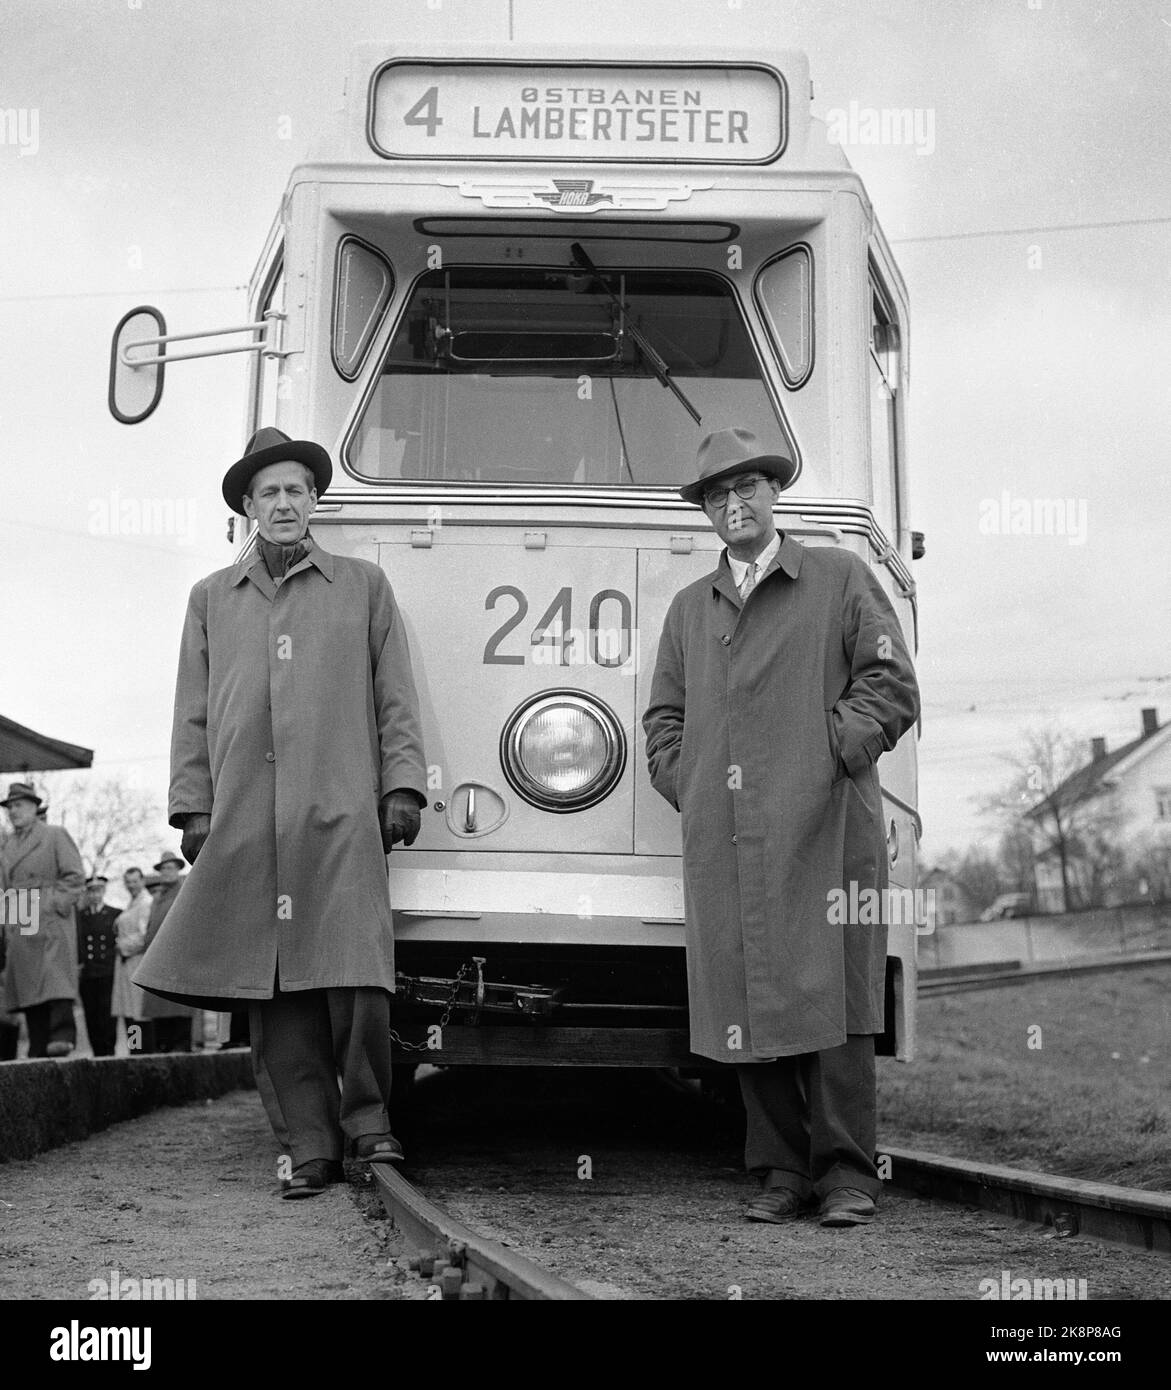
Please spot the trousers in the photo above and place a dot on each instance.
(49, 1022)
(811, 1119)
(303, 1044)
(99, 1022)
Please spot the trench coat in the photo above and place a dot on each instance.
(42, 965)
(764, 724)
(126, 999)
(295, 712)
(164, 898)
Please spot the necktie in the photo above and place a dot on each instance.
(749, 581)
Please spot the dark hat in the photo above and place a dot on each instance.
(93, 882)
(728, 452)
(21, 791)
(268, 446)
(169, 858)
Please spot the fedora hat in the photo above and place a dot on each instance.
(169, 858)
(21, 791)
(270, 445)
(725, 453)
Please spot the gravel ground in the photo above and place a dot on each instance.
(662, 1215)
(190, 1194)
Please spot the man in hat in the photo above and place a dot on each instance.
(296, 762)
(96, 953)
(168, 1022)
(41, 879)
(780, 678)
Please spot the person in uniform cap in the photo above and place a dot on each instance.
(42, 867)
(296, 763)
(96, 953)
(780, 679)
(168, 1020)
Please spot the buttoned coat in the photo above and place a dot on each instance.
(765, 721)
(42, 964)
(295, 712)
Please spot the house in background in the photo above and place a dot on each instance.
(947, 901)
(1120, 799)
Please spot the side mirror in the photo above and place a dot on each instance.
(135, 390)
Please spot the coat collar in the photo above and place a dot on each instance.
(788, 558)
(253, 567)
(16, 851)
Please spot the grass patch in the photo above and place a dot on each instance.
(1067, 1076)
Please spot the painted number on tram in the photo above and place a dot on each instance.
(425, 112)
(606, 640)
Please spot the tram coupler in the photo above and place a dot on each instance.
(470, 994)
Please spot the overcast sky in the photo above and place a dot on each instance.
(145, 147)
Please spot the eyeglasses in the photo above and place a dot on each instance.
(746, 488)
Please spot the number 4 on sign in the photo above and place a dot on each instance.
(425, 111)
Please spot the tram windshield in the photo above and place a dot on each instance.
(533, 375)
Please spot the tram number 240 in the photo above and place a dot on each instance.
(606, 641)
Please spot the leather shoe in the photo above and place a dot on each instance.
(378, 1148)
(58, 1049)
(312, 1178)
(775, 1204)
(847, 1206)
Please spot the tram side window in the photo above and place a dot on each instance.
(784, 289)
(884, 385)
(363, 283)
(526, 375)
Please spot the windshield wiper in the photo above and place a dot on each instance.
(651, 357)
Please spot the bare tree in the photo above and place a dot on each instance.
(1051, 790)
(977, 873)
(108, 819)
(1015, 856)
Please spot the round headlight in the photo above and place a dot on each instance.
(563, 751)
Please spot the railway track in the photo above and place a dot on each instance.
(663, 1216)
(461, 1264)
(1013, 973)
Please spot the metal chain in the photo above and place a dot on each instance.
(444, 1019)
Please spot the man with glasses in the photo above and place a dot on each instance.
(780, 678)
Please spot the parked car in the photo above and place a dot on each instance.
(1008, 905)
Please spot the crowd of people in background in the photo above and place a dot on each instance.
(62, 944)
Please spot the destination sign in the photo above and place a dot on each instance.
(514, 111)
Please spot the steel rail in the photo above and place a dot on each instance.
(460, 1263)
(1022, 974)
(1118, 1215)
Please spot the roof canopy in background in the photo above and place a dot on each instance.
(24, 750)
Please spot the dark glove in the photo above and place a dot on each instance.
(196, 829)
(398, 816)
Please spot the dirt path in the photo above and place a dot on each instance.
(188, 1194)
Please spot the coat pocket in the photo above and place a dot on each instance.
(835, 749)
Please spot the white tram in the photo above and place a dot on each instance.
(511, 297)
